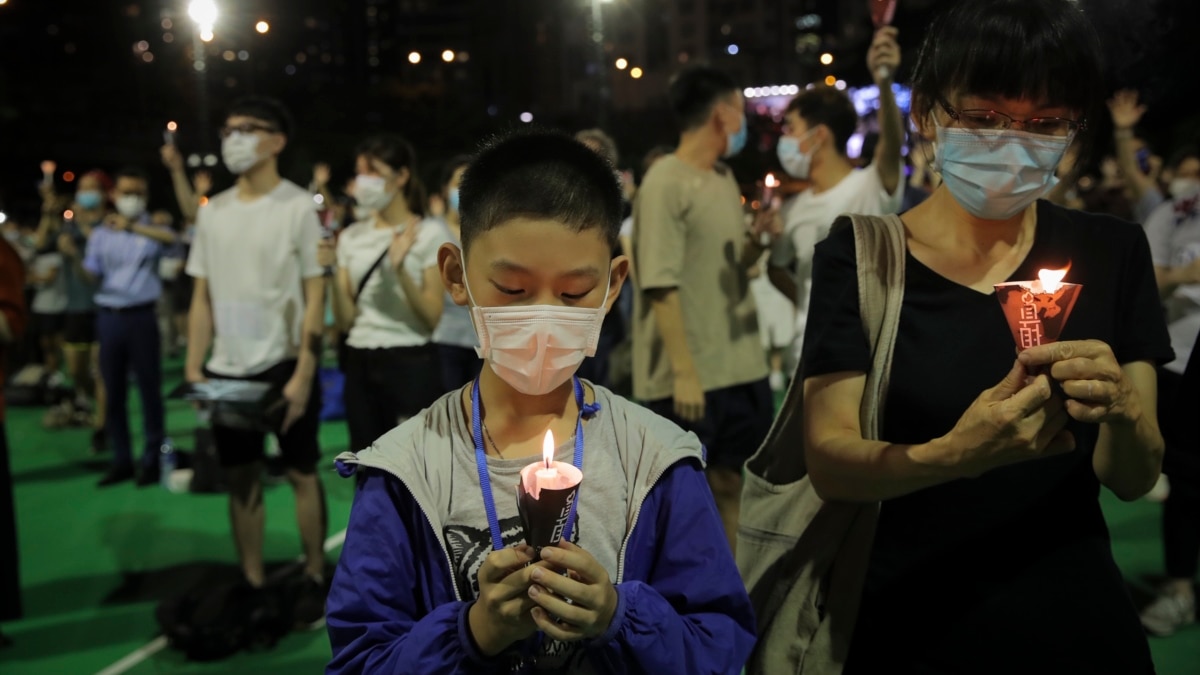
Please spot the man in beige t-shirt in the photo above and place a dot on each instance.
(697, 357)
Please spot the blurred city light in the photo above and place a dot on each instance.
(171, 126)
(830, 80)
(840, 84)
(827, 58)
(203, 12)
(732, 49)
(262, 27)
(3, 215)
(772, 90)
(68, 214)
(69, 176)
(635, 73)
(414, 58)
(622, 64)
(206, 35)
(448, 55)
(526, 117)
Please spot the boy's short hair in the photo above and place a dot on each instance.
(135, 172)
(266, 109)
(830, 107)
(539, 174)
(694, 91)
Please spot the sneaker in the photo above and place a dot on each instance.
(1160, 491)
(776, 381)
(308, 611)
(1168, 613)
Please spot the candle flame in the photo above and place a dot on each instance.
(548, 449)
(771, 181)
(1052, 280)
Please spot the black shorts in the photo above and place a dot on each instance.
(179, 293)
(79, 328)
(48, 324)
(736, 421)
(299, 448)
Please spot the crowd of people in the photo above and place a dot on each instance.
(535, 280)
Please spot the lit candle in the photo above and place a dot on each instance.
(545, 496)
(1037, 310)
(769, 185)
(549, 474)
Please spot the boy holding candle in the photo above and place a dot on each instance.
(434, 576)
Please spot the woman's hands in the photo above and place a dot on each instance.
(1095, 385)
(1017, 420)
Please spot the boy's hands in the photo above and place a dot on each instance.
(501, 615)
(592, 596)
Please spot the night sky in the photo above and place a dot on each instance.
(76, 87)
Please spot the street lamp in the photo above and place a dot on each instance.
(204, 15)
(622, 64)
(414, 57)
(262, 27)
(448, 55)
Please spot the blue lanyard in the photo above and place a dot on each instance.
(485, 483)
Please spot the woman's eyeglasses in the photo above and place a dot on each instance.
(992, 120)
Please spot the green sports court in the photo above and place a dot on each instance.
(94, 562)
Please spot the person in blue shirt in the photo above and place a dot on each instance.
(122, 261)
(434, 576)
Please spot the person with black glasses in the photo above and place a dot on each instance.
(258, 300)
(990, 551)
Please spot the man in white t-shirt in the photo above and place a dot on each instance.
(258, 300)
(819, 123)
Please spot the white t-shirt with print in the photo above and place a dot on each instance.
(807, 222)
(255, 257)
(385, 317)
(1173, 230)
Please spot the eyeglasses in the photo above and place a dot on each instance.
(247, 128)
(991, 120)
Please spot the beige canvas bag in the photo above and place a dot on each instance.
(804, 560)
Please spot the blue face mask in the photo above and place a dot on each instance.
(452, 198)
(737, 140)
(996, 174)
(89, 199)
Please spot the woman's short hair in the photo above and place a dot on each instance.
(1042, 50)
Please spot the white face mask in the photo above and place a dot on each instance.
(240, 152)
(1182, 188)
(536, 348)
(131, 206)
(795, 161)
(372, 193)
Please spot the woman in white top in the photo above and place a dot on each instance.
(455, 336)
(387, 293)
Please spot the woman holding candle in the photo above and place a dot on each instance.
(438, 574)
(991, 553)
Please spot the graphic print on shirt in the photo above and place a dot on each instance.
(469, 547)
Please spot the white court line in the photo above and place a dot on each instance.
(132, 659)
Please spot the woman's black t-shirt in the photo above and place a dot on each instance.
(1012, 571)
